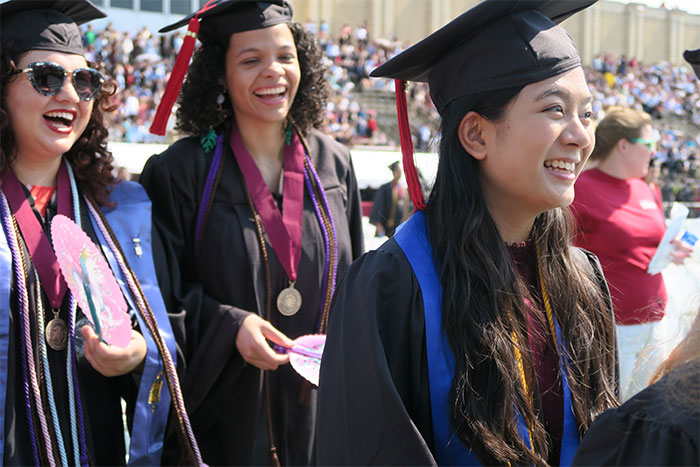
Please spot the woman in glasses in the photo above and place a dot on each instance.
(260, 214)
(621, 219)
(61, 391)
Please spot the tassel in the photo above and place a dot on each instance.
(177, 76)
(409, 166)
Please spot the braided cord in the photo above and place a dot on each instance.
(149, 319)
(47, 372)
(22, 295)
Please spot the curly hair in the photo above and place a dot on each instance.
(89, 157)
(198, 111)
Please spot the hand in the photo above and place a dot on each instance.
(251, 343)
(380, 231)
(109, 360)
(681, 251)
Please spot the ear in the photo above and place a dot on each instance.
(471, 134)
(622, 145)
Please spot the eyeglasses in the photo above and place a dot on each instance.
(48, 78)
(650, 143)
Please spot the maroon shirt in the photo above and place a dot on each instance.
(544, 356)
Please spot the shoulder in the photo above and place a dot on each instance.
(126, 192)
(180, 157)
(326, 144)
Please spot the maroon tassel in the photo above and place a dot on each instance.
(409, 167)
(177, 76)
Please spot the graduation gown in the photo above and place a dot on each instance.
(100, 396)
(658, 426)
(214, 290)
(375, 392)
(383, 206)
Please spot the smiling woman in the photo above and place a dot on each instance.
(61, 399)
(478, 334)
(261, 214)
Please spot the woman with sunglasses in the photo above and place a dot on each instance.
(260, 213)
(62, 387)
(478, 335)
(621, 219)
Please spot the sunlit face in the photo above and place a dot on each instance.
(537, 150)
(46, 127)
(262, 74)
(637, 155)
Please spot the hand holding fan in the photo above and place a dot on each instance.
(305, 355)
(91, 281)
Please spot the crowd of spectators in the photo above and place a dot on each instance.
(140, 64)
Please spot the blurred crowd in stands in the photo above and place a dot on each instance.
(361, 110)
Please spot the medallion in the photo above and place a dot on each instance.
(289, 301)
(57, 333)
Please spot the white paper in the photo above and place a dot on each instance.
(662, 257)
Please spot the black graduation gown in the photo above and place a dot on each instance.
(658, 426)
(381, 209)
(214, 291)
(374, 391)
(100, 395)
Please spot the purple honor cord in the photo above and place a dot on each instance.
(326, 234)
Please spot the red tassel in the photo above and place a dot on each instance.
(409, 166)
(177, 76)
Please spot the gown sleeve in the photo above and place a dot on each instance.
(373, 400)
(658, 426)
(171, 181)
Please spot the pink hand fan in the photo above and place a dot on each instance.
(91, 281)
(305, 356)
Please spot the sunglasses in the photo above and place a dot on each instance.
(650, 143)
(48, 78)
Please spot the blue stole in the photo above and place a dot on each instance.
(129, 221)
(412, 237)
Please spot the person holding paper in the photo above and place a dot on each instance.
(621, 220)
(260, 214)
(60, 405)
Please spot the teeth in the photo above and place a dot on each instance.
(270, 91)
(64, 115)
(562, 165)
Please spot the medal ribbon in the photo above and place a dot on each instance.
(43, 256)
(283, 230)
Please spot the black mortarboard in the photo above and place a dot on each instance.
(222, 18)
(394, 165)
(215, 22)
(46, 24)
(498, 44)
(693, 57)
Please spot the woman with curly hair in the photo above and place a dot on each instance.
(478, 335)
(62, 386)
(260, 213)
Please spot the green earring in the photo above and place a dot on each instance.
(208, 141)
(288, 134)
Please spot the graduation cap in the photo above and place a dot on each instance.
(46, 24)
(498, 44)
(693, 57)
(215, 22)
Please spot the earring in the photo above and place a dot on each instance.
(220, 99)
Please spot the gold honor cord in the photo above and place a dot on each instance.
(516, 347)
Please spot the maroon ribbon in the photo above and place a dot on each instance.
(283, 230)
(43, 256)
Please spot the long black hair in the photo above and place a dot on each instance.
(484, 306)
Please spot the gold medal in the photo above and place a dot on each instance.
(289, 301)
(57, 332)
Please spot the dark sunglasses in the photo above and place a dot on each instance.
(48, 78)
